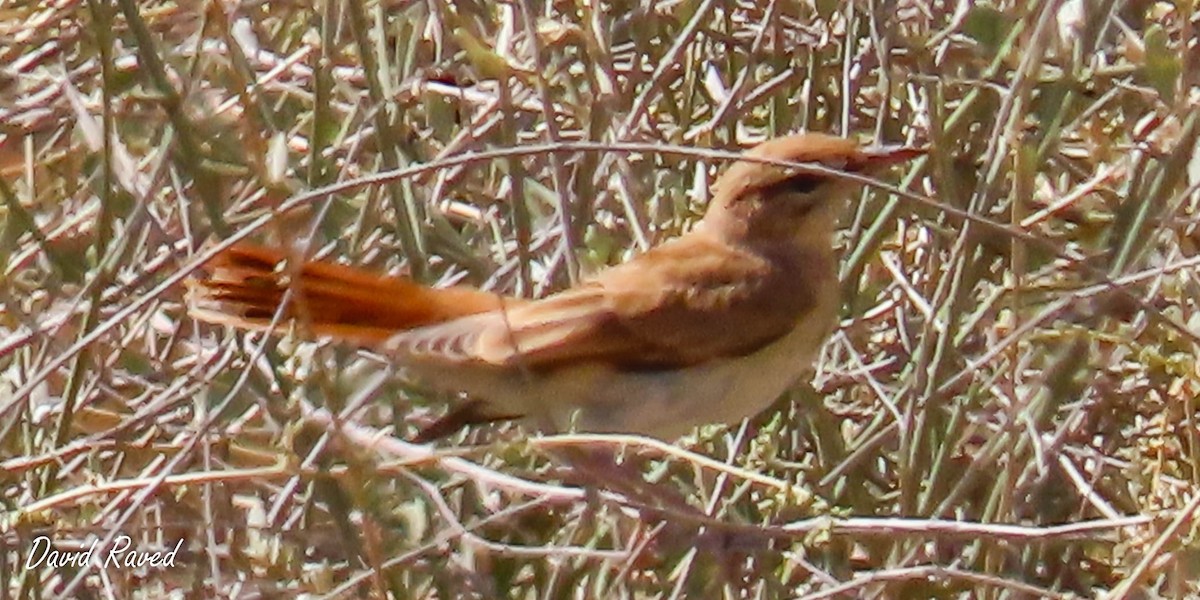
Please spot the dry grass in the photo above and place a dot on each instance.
(1008, 410)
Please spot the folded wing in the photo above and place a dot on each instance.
(658, 311)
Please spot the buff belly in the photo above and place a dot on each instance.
(665, 404)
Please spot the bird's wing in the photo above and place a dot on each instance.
(683, 303)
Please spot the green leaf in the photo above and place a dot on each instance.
(1161, 69)
(987, 26)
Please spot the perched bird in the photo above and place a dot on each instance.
(709, 327)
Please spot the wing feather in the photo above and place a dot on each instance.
(686, 302)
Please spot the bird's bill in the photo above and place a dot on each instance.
(880, 157)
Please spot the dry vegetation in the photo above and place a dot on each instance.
(1008, 410)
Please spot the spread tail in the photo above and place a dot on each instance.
(246, 285)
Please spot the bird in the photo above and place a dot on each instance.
(709, 327)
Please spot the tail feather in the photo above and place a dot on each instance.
(247, 284)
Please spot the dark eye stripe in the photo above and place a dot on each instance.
(800, 183)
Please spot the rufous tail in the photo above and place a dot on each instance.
(246, 284)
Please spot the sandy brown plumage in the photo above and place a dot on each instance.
(683, 326)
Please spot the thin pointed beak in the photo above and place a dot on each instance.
(877, 158)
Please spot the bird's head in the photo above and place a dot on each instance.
(766, 201)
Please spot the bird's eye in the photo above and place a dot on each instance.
(800, 183)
